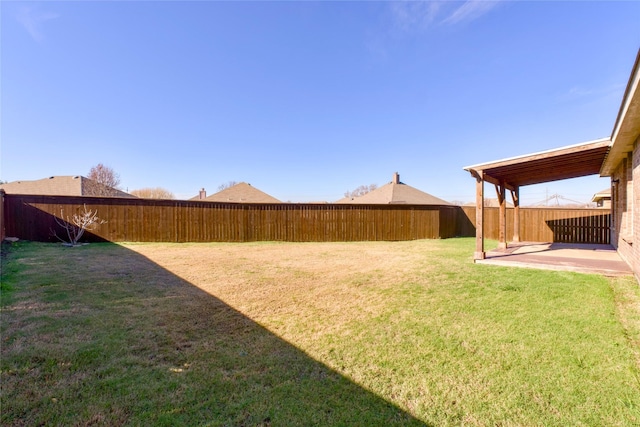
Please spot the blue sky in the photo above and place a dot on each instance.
(307, 100)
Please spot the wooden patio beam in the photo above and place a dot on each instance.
(479, 253)
(515, 196)
(495, 181)
(502, 225)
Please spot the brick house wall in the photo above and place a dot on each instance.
(626, 212)
(634, 257)
(622, 164)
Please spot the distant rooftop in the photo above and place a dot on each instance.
(602, 195)
(239, 193)
(63, 186)
(396, 192)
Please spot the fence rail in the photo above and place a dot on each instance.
(140, 220)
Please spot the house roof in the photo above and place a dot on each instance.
(561, 163)
(62, 186)
(601, 195)
(601, 156)
(396, 192)
(626, 129)
(241, 193)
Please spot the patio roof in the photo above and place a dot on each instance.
(510, 174)
(553, 165)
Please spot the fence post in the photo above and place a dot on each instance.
(2, 231)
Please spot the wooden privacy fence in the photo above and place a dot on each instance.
(140, 220)
(2, 234)
(550, 224)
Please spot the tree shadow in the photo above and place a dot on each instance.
(167, 353)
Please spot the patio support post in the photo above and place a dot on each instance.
(502, 231)
(479, 253)
(515, 196)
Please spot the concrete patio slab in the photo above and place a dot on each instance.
(583, 258)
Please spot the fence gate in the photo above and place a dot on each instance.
(582, 229)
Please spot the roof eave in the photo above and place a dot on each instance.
(627, 126)
(602, 142)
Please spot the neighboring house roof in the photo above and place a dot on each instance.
(240, 193)
(602, 195)
(396, 192)
(62, 186)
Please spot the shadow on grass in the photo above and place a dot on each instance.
(118, 340)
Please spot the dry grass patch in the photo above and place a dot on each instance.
(296, 286)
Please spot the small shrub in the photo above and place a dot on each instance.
(75, 226)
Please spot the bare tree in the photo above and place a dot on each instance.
(104, 181)
(227, 185)
(360, 191)
(104, 175)
(153, 193)
(75, 226)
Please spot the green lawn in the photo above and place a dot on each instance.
(327, 334)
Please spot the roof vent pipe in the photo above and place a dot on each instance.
(396, 178)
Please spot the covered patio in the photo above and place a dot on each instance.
(537, 168)
(582, 258)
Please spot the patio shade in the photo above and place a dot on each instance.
(553, 165)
